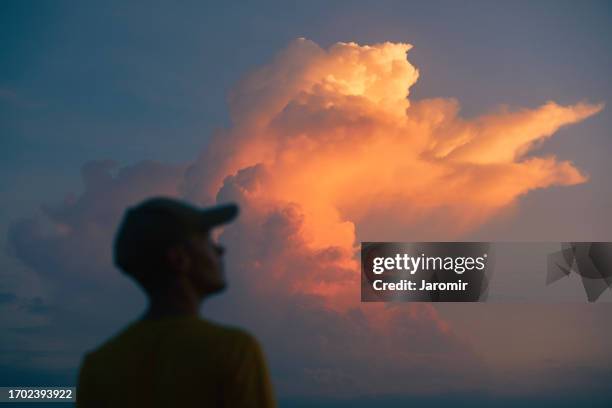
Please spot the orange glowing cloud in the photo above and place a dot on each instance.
(333, 134)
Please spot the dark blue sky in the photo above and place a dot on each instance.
(116, 80)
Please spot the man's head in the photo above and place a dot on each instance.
(163, 241)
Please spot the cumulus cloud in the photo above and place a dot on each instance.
(71, 239)
(326, 149)
(333, 134)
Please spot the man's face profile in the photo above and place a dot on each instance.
(207, 272)
(199, 262)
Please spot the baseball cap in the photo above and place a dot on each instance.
(156, 223)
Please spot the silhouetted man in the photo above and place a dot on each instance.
(171, 357)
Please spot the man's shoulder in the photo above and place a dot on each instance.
(125, 335)
(136, 335)
(231, 336)
(224, 330)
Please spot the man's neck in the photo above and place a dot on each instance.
(172, 302)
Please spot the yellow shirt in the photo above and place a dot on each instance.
(178, 361)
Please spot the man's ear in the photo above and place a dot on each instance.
(178, 259)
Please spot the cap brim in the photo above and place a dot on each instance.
(221, 214)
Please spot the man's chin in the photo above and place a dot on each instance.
(216, 288)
